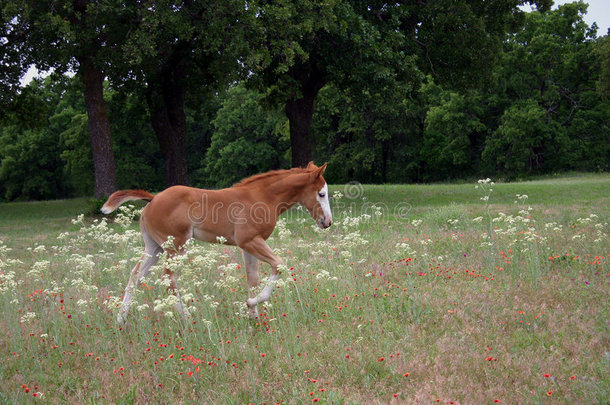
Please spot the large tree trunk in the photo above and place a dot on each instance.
(300, 112)
(99, 129)
(165, 99)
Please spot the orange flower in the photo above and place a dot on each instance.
(406, 374)
(381, 359)
(549, 393)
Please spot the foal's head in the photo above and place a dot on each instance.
(314, 196)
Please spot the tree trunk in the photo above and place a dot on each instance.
(300, 112)
(99, 129)
(165, 100)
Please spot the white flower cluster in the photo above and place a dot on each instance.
(282, 230)
(27, 317)
(405, 249)
(325, 275)
(127, 214)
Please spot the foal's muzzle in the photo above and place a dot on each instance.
(324, 222)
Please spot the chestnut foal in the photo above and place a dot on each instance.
(244, 215)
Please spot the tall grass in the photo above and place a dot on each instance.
(415, 294)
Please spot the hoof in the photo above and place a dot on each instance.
(121, 318)
(251, 303)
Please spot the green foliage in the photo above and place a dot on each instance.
(30, 166)
(390, 106)
(450, 134)
(521, 142)
(602, 51)
(139, 163)
(246, 140)
(77, 155)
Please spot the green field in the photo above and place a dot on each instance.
(416, 294)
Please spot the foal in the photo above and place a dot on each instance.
(244, 215)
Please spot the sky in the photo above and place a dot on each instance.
(599, 12)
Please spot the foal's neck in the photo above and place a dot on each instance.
(285, 192)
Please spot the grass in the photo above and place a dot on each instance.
(415, 294)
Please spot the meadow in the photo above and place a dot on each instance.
(467, 293)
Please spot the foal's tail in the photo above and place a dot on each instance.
(119, 197)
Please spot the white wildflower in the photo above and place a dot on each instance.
(27, 317)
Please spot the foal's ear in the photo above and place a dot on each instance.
(318, 172)
(323, 168)
(311, 165)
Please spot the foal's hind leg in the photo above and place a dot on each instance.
(173, 286)
(173, 289)
(141, 270)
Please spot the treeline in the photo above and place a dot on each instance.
(383, 92)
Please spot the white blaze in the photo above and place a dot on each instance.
(324, 203)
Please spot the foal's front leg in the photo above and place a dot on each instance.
(260, 250)
(251, 264)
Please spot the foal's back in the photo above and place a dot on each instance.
(187, 212)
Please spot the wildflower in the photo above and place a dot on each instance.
(547, 375)
(549, 393)
(406, 374)
(381, 359)
(263, 354)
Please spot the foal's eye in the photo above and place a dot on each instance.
(321, 195)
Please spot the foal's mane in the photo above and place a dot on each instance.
(268, 175)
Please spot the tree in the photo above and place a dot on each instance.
(521, 144)
(12, 61)
(77, 35)
(247, 139)
(177, 48)
(554, 62)
(305, 45)
(30, 143)
(452, 137)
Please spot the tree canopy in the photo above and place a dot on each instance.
(385, 92)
